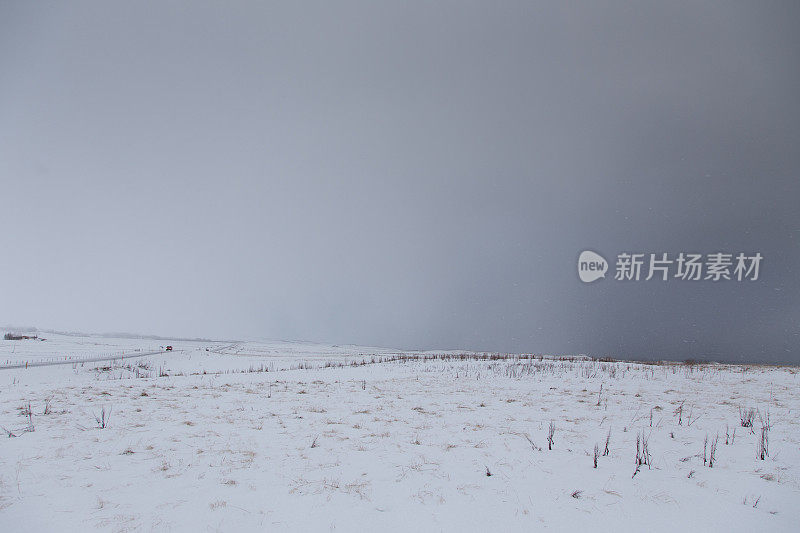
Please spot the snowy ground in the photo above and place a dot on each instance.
(292, 436)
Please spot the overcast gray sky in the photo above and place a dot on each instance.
(406, 174)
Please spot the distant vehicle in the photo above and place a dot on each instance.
(169, 348)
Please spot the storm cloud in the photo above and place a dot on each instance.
(406, 174)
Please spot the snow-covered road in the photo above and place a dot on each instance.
(98, 359)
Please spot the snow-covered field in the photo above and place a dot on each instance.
(296, 436)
